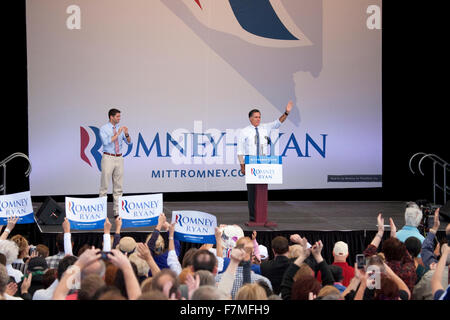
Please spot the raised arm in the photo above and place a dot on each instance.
(393, 228)
(152, 241)
(67, 237)
(219, 244)
(226, 282)
(107, 235)
(117, 233)
(436, 280)
(362, 276)
(327, 276)
(126, 138)
(353, 285)
(288, 277)
(286, 113)
(145, 254)
(172, 257)
(9, 227)
(256, 246)
(171, 239)
(373, 246)
(131, 282)
(379, 236)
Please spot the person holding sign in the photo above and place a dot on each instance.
(112, 161)
(253, 140)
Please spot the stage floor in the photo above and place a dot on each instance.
(289, 215)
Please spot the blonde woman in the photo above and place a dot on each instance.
(251, 291)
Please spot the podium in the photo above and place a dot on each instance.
(262, 170)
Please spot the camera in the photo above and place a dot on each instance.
(32, 249)
(104, 255)
(360, 261)
(428, 210)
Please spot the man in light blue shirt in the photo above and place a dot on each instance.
(112, 161)
(413, 216)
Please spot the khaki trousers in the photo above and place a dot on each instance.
(112, 167)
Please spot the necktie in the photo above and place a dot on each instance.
(257, 142)
(116, 142)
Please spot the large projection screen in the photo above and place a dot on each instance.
(185, 74)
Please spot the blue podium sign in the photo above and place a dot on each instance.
(263, 170)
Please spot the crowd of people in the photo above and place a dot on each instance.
(404, 266)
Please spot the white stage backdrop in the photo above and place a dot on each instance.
(185, 74)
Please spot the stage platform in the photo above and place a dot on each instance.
(353, 222)
(289, 215)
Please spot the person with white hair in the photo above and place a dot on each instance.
(209, 293)
(11, 251)
(4, 278)
(413, 216)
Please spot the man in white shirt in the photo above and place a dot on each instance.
(254, 141)
(47, 294)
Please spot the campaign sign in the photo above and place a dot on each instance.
(140, 211)
(194, 226)
(263, 170)
(86, 213)
(18, 205)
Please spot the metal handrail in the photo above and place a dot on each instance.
(443, 163)
(8, 159)
(410, 161)
(436, 161)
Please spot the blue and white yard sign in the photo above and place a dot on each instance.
(18, 205)
(140, 211)
(194, 226)
(86, 213)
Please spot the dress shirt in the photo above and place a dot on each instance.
(53, 261)
(20, 265)
(239, 280)
(106, 134)
(173, 262)
(226, 261)
(46, 294)
(247, 139)
(409, 231)
(16, 274)
(8, 297)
